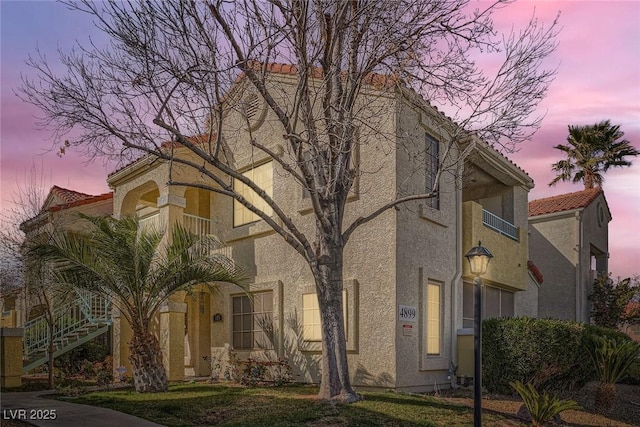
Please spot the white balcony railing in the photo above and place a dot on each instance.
(500, 225)
(151, 222)
(198, 225)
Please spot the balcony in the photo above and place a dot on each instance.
(198, 225)
(503, 239)
(500, 225)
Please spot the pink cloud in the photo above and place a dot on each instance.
(598, 60)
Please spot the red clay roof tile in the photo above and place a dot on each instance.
(563, 202)
(68, 196)
(86, 201)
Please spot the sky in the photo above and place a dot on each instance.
(598, 60)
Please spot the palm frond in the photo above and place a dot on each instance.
(139, 267)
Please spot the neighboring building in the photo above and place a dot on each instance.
(412, 256)
(569, 242)
(78, 320)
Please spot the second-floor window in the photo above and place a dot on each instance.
(262, 176)
(432, 162)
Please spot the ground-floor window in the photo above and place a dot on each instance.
(250, 317)
(433, 316)
(497, 303)
(311, 328)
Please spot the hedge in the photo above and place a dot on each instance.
(551, 354)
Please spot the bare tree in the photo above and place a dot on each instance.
(180, 72)
(23, 275)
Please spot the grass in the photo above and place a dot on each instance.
(206, 404)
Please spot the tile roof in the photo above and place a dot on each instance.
(563, 202)
(68, 196)
(86, 201)
(376, 80)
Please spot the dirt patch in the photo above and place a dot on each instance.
(625, 413)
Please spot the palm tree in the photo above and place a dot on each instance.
(139, 272)
(592, 150)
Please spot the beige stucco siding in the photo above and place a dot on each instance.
(425, 252)
(554, 250)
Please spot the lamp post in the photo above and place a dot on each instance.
(479, 258)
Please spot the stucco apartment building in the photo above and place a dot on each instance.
(59, 211)
(407, 288)
(569, 242)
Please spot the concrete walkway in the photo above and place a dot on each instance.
(30, 406)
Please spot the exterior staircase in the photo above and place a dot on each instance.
(81, 320)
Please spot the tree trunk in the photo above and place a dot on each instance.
(335, 382)
(51, 358)
(605, 397)
(149, 374)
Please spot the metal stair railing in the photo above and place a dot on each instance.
(72, 322)
(95, 307)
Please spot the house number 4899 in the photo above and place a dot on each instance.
(407, 313)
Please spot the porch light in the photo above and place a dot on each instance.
(479, 258)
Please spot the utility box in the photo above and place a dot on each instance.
(11, 357)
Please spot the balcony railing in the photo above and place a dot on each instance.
(500, 225)
(196, 224)
(151, 222)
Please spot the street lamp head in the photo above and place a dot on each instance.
(479, 258)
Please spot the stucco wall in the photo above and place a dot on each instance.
(553, 248)
(526, 303)
(425, 252)
(508, 268)
(272, 264)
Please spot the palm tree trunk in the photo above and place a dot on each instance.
(605, 396)
(149, 374)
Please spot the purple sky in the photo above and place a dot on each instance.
(598, 78)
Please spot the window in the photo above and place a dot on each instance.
(249, 318)
(468, 300)
(497, 303)
(311, 328)
(432, 318)
(432, 162)
(262, 176)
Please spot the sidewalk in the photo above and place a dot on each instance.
(30, 407)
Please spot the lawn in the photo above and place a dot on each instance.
(226, 405)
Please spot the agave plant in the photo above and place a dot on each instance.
(612, 359)
(542, 407)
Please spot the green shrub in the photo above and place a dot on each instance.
(550, 354)
(72, 362)
(612, 359)
(633, 374)
(541, 406)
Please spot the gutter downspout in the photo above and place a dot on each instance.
(456, 281)
(579, 230)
